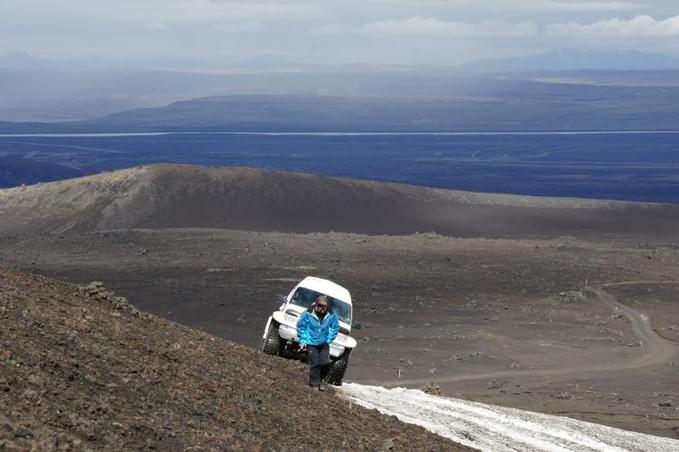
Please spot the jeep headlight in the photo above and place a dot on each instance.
(345, 341)
(291, 316)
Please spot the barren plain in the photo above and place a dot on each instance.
(584, 325)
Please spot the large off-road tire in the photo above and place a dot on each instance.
(272, 344)
(338, 368)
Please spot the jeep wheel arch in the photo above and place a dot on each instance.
(338, 368)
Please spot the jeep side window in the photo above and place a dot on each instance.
(341, 310)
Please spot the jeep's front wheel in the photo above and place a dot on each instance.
(271, 345)
(338, 368)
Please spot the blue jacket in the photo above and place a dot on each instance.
(311, 331)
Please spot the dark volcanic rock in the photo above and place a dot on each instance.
(79, 370)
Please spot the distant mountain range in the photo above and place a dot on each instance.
(570, 59)
(44, 90)
(555, 60)
(502, 105)
(23, 61)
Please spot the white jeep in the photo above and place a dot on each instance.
(280, 333)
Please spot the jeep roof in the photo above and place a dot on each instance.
(325, 287)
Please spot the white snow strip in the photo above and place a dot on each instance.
(493, 428)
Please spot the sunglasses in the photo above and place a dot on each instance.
(322, 306)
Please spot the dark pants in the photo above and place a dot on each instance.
(319, 357)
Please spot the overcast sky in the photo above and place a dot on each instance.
(334, 31)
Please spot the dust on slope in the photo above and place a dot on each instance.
(82, 203)
(81, 368)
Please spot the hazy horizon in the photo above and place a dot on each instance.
(404, 32)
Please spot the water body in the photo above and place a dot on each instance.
(339, 134)
(639, 166)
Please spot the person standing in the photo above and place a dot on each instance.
(316, 329)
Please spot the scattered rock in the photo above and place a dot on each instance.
(387, 444)
(30, 394)
(120, 302)
(432, 388)
(494, 384)
(572, 296)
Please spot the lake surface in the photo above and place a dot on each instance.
(641, 166)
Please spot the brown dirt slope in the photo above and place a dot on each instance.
(181, 196)
(82, 369)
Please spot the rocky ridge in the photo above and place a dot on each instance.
(82, 369)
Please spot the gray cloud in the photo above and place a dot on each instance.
(429, 26)
(548, 5)
(637, 27)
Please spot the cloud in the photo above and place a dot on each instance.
(333, 30)
(505, 6)
(463, 6)
(238, 27)
(163, 11)
(208, 11)
(157, 26)
(639, 26)
(430, 26)
(549, 5)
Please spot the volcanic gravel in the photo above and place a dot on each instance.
(80, 368)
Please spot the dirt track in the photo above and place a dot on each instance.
(654, 351)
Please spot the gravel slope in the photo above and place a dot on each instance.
(80, 368)
(183, 196)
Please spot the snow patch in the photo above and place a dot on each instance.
(493, 428)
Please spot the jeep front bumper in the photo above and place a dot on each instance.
(289, 333)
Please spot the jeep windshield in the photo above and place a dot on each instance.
(306, 297)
